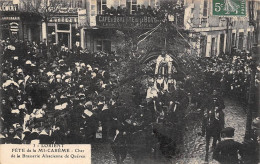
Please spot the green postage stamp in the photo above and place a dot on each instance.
(229, 7)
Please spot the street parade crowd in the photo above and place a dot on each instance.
(51, 94)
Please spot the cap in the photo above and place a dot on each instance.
(228, 131)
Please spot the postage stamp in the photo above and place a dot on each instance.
(229, 7)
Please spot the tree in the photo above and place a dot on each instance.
(140, 41)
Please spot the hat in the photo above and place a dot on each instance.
(18, 127)
(228, 131)
(19, 70)
(82, 65)
(44, 132)
(28, 62)
(58, 76)
(61, 60)
(89, 103)
(26, 130)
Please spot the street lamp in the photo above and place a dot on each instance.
(78, 36)
(77, 39)
(53, 37)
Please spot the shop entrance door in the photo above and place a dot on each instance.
(221, 48)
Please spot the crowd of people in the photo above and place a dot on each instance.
(48, 90)
(51, 94)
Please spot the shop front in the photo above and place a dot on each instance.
(103, 34)
(20, 25)
(62, 30)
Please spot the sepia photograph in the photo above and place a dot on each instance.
(130, 81)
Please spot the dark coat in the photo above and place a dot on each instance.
(211, 126)
(45, 139)
(30, 106)
(226, 152)
(219, 101)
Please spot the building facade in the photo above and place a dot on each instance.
(62, 26)
(105, 17)
(94, 23)
(18, 24)
(214, 35)
(209, 35)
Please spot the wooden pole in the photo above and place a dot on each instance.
(250, 101)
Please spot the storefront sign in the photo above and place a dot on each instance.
(14, 26)
(67, 10)
(82, 17)
(10, 18)
(64, 19)
(108, 21)
(14, 30)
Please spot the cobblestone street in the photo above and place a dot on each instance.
(194, 145)
(194, 148)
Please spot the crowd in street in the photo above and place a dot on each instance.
(52, 91)
(57, 95)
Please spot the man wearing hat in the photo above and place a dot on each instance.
(44, 137)
(226, 151)
(25, 136)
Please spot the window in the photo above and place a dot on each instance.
(79, 4)
(122, 3)
(203, 45)
(93, 8)
(213, 47)
(205, 8)
(221, 42)
(204, 22)
(132, 6)
(233, 39)
(241, 41)
(103, 45)
(101, 6)
(63, 27)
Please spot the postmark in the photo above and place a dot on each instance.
(229, 7)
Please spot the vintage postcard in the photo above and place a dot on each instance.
(129, 81)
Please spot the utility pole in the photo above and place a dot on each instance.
(250, 101)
